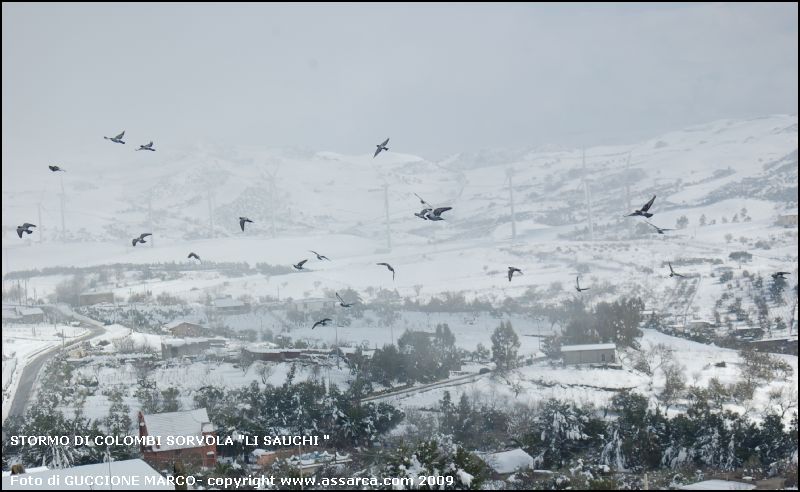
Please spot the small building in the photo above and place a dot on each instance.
(780, 345)
(115, 475)
(180, 347)
(789, 220)
(312, 304)
(10, 315)
(505, 463)
(229, 305)
(718, 485)
(598, 353)
(30, 314)
(352, 352)
(187, 429)
(265, 352)
(89, 298)
(748, 333)
(263, 458)
(181, 328)
(308, 462)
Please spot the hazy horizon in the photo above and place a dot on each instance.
(436, 79)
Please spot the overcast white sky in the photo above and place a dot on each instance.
(438, 79)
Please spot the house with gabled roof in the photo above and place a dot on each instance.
(179, 433)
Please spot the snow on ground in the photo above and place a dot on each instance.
(469, 330)
(23, 342)
(583, 385)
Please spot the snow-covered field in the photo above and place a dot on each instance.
(596, 386)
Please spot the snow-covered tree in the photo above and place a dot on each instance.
(505, 344)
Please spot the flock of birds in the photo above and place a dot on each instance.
(428, 212)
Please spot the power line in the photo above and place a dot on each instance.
(588, 198)
(510, 175)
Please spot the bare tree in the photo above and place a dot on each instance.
(785, 398)
(265, 371)
(674, 384)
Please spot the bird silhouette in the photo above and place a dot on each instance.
(659, 229)
(117, 139)
(194, 255)
(436, 214)
(780, 274)
(341, 301)
(242, 220)
(147, 147)
(322, 322)
(319, 256)
(381, 147)
(140, 239)
(578, 285)
(511, 271)
(429, 212)
(26, 227)
(389, 267)
(299, 265)
(642, 212)
(672, 272)
(56, 168)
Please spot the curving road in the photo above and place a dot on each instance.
(31, 370)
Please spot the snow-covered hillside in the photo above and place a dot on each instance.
(736, 177)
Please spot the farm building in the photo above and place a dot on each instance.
(229, 305)
(180, 347)
(718, 485)
(181, 328)
(10, 315)
(312, 304)
(30, 314)
(789, 220)
(266, 353)
(192, 424)
(598, 353)
(89, 298)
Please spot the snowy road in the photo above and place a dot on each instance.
(31, 371)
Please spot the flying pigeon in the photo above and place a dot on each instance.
(381, 147)
(780, 274)
(428, 211)
(242, 220)
(194, 255)
(643, 211)
(140, 239)
(322, 322)
(299, 266)
(672, 272)
(658, 229)
(341, 301)
(578, 285)
(437, 213)
(26, 227)
(319, 256)
(117, 139)
(147, 147)
(511, 271)
(56, 168)
(389, 267)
